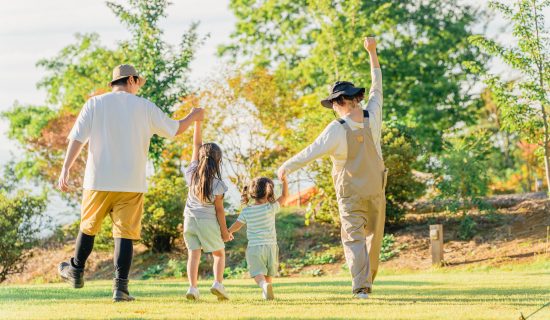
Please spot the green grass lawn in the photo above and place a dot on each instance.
(439, 294)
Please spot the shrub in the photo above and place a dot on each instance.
(19, 226)
(461, 171)
(388, 250)
(164, 204)
(467, 228)
(400, 153)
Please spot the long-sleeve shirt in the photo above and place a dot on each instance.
(332, 140)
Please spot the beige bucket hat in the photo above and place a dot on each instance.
(124, 71)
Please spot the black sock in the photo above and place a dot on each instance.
(82, 250)
(124, 250)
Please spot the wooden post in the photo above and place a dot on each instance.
(436, 243)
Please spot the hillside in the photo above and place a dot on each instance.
(507, 235)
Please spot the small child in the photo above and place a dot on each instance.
(204, 224)
(262, 253)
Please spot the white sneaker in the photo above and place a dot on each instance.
(219, 291)
(192, 294)
(361, 294)
(267, 291)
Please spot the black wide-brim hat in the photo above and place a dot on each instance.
(340, 88)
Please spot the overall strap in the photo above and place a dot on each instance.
(344, 124)
(366, 118)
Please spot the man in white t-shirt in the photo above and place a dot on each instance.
(359, 174)
(118, 127)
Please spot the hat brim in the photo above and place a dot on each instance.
(141, 80)
(327, 102)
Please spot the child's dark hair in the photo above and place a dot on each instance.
(209, 167)
(259, 188)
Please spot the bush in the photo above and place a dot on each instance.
(388, 251)
(19, 226)
(467, 228)
(400, 153)
(164, 204)
(461, 171)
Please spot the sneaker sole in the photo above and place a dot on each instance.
(123, 300)
(218, 294)
(191, 297)
(269, 293)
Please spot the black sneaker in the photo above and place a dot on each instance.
(72, 275)
(120, 291)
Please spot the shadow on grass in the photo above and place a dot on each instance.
(385, 293)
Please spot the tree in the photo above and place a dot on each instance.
(422, 46)
(251, 114)
(82, 70)
(523, 103)
(20, 214)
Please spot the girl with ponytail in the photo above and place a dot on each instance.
(204, 226)
(262, 253)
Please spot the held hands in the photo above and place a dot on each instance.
(226, 236)
(63, 182)
(281, 174)
(197, 114)
(370, 44)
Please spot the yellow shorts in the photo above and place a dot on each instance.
(125, 209)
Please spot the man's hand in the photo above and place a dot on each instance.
(281, 174)
(370, 44)
(197, 114)
(63, 182)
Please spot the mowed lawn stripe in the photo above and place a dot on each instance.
(494, 294)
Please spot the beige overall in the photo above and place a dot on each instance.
(360, 186)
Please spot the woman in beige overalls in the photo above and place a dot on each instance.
(358, 171)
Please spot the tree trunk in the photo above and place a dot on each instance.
(547, 167)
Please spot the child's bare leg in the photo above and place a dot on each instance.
(219, 264)
(268, 279)
(260, 279)
(193, 267)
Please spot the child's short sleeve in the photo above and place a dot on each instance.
(219, 187)
(242, 217)
(276, 207)
(189, 171)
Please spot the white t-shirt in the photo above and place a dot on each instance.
(119, 126)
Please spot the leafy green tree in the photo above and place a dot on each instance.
(422, 46)
(83, 69)
(523, 103)
(20, 214)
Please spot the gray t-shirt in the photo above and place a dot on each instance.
(194, 207)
